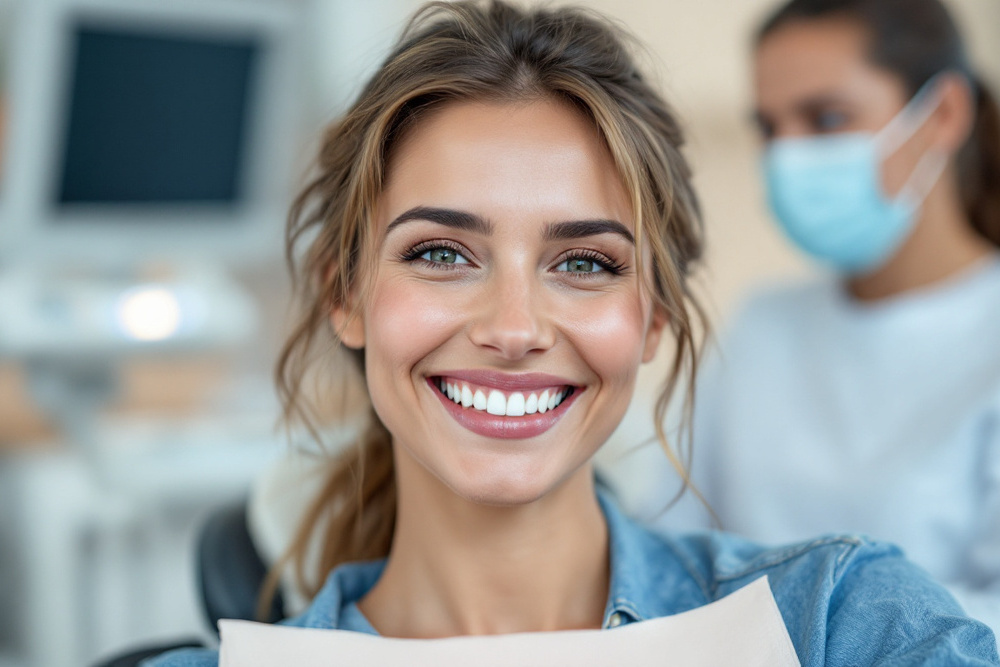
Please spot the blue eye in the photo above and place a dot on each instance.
(580, 265)
(443, 255)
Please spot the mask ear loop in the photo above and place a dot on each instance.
(910, 118)
(924, 176)
(903, 126)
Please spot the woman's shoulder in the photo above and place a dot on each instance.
(709, 565)
(845, 597)
(825, 571)
(722, 560)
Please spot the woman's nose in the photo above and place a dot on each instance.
(512, 320)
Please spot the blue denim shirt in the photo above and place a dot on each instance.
(845, 600)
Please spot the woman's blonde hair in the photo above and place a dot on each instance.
(484, 51)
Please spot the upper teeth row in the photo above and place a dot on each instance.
(496, 403)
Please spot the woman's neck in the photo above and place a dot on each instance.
(459, 568)
(943, 244)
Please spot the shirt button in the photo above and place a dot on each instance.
(615, 620)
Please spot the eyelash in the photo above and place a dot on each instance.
(606, 263)
(602, 260)
(414, 253)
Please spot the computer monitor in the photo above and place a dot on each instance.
(140, 129)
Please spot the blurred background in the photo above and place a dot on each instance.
(142, 302)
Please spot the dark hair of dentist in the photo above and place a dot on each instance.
(499, 230)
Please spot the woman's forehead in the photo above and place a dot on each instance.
(542, 159)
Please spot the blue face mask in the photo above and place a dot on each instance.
(826, 190)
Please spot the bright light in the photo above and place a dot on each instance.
(149, 313)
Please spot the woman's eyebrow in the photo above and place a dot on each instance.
(571, 229)
(444, 216)
(576, 229)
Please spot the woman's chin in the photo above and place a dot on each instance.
(504, 497)
(499, 490)
(504, 486)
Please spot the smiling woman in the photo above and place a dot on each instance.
(500, 230)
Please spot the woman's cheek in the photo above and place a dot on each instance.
(610, 333)
(409, 318)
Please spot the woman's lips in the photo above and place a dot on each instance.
(493, 412)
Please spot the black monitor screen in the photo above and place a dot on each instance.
(156, 117)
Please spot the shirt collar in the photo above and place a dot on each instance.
(335, 606)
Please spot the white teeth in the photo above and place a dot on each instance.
(515, 405)
(479, 400)
(496, 404)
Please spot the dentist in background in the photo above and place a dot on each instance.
(869, 401)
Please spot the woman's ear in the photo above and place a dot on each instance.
(657, 322)
(349, 325)
(345, 317)
(955, 113)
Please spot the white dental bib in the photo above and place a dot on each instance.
(744, 628)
